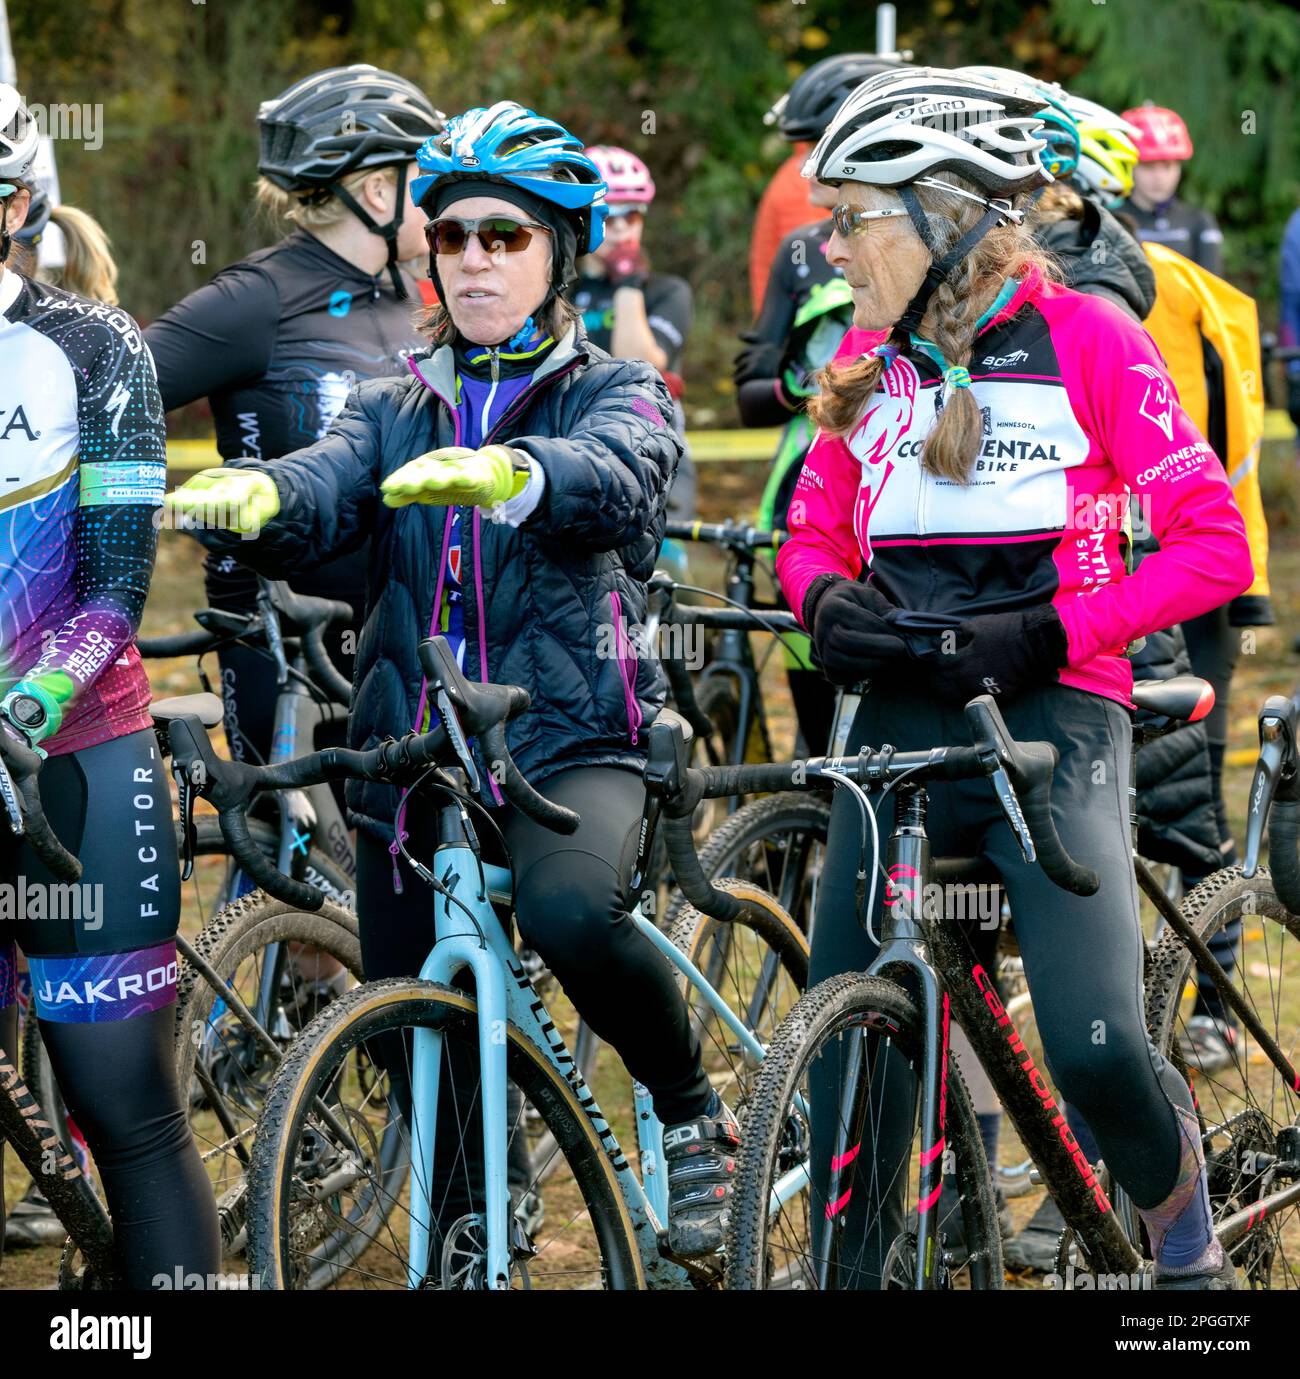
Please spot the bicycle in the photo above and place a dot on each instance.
(315, 1145)
(848, 1018)
(308, 829)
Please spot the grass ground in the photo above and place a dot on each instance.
(1267, 666)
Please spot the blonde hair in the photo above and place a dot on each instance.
(950, 322)
(315, 210)
(1055, 203)
(88, 269)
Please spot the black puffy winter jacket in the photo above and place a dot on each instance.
(543, 602)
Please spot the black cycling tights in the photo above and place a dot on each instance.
(103, 970)
(1082, 956)
(571, 908)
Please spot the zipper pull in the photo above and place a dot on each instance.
(496, 365)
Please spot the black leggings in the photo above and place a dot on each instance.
(1082, 956)
(1212, 647)
(571, 907)
(103, 970)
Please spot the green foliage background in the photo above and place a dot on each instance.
(686, 82)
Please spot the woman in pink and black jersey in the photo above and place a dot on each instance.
(977, 467)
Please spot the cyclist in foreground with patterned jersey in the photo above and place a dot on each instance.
(989, 496)
(277, 340)
(513, 487)
(85, 472)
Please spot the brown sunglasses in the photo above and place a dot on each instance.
(449, 236)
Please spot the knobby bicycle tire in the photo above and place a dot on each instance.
(233, 1066)
(383, 1007)
(833, 1007)
(1239, 1125)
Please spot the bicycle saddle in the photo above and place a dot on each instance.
(206, 708)
(1187, 698)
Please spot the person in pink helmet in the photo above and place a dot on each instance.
(1164, 145)
(627, 310)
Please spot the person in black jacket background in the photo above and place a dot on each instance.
(277, 341)
(513, 490)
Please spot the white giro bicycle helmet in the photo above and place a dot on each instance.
(19, 137)
(901, 126)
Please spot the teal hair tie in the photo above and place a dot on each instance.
(886, 353)
(957, 377)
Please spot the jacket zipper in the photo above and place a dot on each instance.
(620, 648)
(394, 848)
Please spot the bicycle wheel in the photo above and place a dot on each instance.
(760, 972)
(770, 1239)
(271, 955)
(217, 876)
(778, 843)
(313, 1175)
(1247, 1109)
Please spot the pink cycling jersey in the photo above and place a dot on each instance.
(1078, 414)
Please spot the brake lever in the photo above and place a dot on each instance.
(271, 628)
(1276, 765)
(1011, 811)
(13, 810)
(185, 792)
(447, 711)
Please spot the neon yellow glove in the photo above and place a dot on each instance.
(455, 476)
(238, 500)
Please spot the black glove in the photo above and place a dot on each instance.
(999, 654)
(1293, 398)
(851, 639)
(759, 359)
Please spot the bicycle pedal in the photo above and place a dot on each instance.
(705, 1273)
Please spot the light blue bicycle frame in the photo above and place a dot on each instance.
(504, 993)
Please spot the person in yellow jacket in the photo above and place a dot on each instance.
(1208, 332)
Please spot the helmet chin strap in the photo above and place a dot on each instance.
(6, 239)
(388, 232)
(941, 267)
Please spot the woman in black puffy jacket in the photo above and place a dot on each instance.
(513, 488)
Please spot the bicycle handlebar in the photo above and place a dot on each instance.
(471, 710)
(179, 644)
(1021, 774)
(1275, 799)
(742, 619)
(19, 767)
(737, 536)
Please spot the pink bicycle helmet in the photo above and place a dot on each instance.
(630, 186)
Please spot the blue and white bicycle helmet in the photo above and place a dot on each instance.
(507, 143)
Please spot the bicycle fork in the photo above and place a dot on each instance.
(904, 955)
(460, 946)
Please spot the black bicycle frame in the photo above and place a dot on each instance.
(935, 963)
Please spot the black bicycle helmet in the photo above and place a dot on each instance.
(38, 217)
(333, 122)
(806, 109)
(339, 121)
